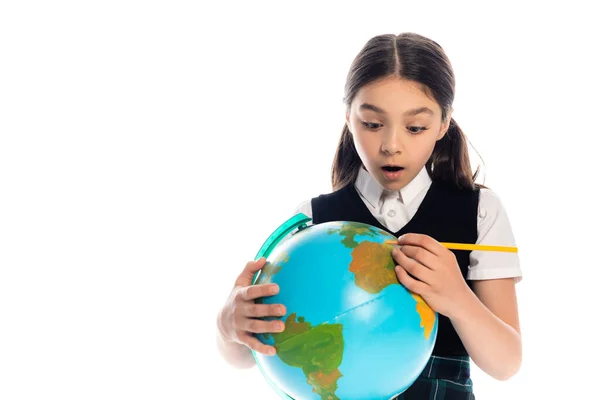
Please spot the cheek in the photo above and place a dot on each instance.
(364, 146)
(427, 149)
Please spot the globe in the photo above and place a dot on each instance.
(352, 331)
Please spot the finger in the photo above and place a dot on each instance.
(257, 345)
(247, 275)
(420, 255)
(411, 283)
(254, 292)
(264, 310)
(414, 268)
(261, 326)
(424, 241)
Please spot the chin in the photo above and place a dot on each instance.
(392, 185)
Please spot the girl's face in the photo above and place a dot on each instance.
(395, 126)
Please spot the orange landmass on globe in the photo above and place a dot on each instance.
(426, 313)
(325, 384)
(373, 268)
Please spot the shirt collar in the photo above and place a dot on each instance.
(374, 193)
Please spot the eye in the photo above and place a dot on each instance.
(372, 126)
(416, 129)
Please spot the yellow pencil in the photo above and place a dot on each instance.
(465, 246)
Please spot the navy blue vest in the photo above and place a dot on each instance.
(447, 213)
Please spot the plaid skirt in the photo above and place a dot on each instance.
(443, 378)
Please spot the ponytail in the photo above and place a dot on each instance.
(346, 163)
(450, 162)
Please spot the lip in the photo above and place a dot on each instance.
(392, 175)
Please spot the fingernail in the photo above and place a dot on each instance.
(272, 352)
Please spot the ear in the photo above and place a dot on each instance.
(348, 124)
(445, 125)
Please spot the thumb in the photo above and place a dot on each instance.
(251, 268)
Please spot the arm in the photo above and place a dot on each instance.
(485, 318)
(235, 354)
(490, 312)
(492, 305)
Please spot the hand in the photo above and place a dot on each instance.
(430, 270)
(238, 319)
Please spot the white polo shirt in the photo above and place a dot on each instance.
(395, 208)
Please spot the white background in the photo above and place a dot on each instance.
(149, 148)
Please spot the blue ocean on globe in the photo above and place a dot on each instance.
(352, 330)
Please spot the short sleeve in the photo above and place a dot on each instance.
(494, 228)
(305, 208)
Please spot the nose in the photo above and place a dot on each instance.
(391, 142)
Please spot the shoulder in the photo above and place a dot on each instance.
(494, 228)
(491, 206)
(305, 208)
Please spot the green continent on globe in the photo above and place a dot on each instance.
(373, 267)
(316, 350)
(351, 229)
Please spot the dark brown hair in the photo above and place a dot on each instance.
(416, 58)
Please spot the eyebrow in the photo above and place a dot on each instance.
(410, 113)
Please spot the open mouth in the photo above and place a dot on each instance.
(392, 168)
(392, 172)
